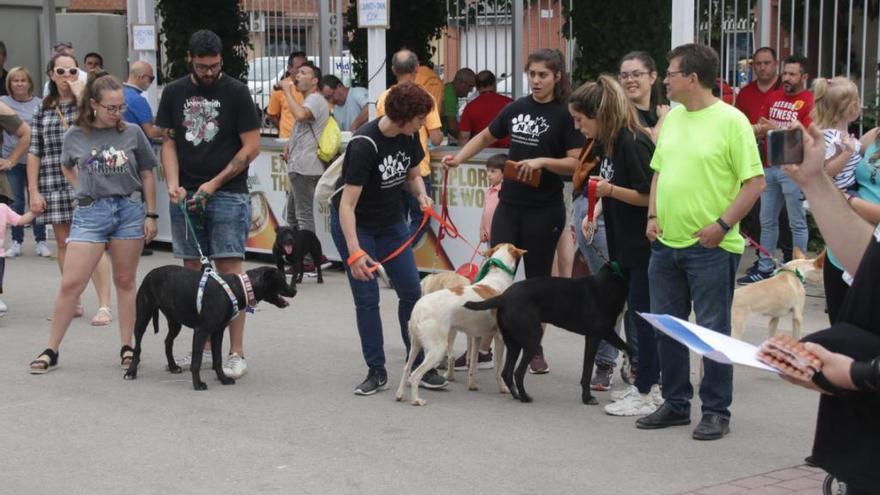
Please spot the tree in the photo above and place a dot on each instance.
(181, 18)
(414, 24)
(606, 31)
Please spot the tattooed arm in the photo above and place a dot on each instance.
(250, 148)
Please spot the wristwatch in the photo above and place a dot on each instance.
(152, 215)
(723, 224)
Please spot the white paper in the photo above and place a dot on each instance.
(708, 343)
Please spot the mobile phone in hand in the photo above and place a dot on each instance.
(785, 147)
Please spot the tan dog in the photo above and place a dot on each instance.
(777, 296)
(438, 316)
(443, 280)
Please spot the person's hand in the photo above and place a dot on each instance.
(450, 161)
(835, 367)
(767, 125)
(150, 230)
(848, 144)
(710, 236)
(5, 164)
(652, 231)
(425, 202)
(37, 202)
(76, 87)
(200, 198)
(525, 168)
(484, 236)
(360, 269)
(603, 188)
(662, 110)
(285, 152)
(286, 84)
(176, 193)
(813, 166)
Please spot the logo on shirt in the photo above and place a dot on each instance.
(527, 126)
(785, 112)
(393, 169)
(106, 161)
(200, 119)
(606, 169)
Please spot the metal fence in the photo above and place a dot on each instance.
(838, 37)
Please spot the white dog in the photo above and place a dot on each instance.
(437, 317)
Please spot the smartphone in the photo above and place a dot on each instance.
(785, 147)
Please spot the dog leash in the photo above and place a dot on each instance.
(761, 249)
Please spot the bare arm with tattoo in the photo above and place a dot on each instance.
(250, 148)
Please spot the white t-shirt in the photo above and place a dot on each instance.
(355, 102)
(82, 75)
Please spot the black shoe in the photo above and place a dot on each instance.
(808, 460)
(433, 380)
(662, 418)
(377, 379)
(146, 252)
(712, 427)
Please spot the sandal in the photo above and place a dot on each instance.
(41, 366)
(126, 354)
(103, 317)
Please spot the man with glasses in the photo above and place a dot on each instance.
(140, 77)
(278, 111)
(211, 134)
(707, 175)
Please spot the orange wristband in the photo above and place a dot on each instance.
(360, 253)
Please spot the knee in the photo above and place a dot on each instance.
(124, 281)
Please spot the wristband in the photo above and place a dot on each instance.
(360, 253)
(652, 217)
(154, 216)
(723, 224)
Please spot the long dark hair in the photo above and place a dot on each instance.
(657, 94)
(606, 102)
(51, 101)
(99, 82)
(554, 61)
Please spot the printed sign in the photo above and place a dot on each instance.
(143, 37)
(373, 13)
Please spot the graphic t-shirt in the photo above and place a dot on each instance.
(536, 130)
(432, 122)
(785, 109)
(345, 114)
(381, 174)
(304, 139)
(480, 112)
(625, 224)
(703, 157)
(206, 123)
(108, 162)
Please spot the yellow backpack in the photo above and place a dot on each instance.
(330, 141)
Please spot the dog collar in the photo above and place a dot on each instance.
(797, 273)
(207, 273)
(489, 263)
(249, 293)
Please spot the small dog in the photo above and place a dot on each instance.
(589, 306)
(290, 248)
(443, 280)
(437, 317)
(777, 296)
(173, 290)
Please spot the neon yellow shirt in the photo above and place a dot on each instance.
(702, 158)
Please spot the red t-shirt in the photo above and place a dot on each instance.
(755, 103)
(480, 112)
(785, 109)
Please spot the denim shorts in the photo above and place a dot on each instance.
(111, 218)
(221, 230)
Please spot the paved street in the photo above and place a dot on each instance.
(293, 425)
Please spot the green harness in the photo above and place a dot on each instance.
(489, 263)
(796, 272)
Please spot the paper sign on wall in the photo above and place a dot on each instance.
(143, 37)
(373, 13)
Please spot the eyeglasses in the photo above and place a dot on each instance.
(150, 77)
(636, 74)
(214, 68)
(62, 71)
(671, 73)
(114, 108)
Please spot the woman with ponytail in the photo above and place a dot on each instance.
(602, 111)
(543, 141)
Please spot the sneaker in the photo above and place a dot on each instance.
(484, 361)
(433, 380)
(623, 394)
(657, 395)
(14, 250)
(235, 367)
(538, 365)
(602, 377)
(638, 405)
(377, 379)
(186, 361)
(752, 276)
(43, 250)
(3, 309)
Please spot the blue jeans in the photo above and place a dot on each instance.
(780, 188)
(606, 354)
(412, 210)
(221, 229)
(110, 218)
(17, 176)
(705, 278)
(645, 346)
(402, 270)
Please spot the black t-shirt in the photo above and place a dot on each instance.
(536, 130)
(625, 224)
(649, 117)
(848, 425)
(382, 174)
(206, 125)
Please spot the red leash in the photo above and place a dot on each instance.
(428, 213)
(591, 198)
(760, 248)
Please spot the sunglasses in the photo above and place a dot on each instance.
(61, 71)
(151, 78)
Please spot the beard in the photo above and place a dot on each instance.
(205, 81)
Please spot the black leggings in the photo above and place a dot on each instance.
(835, 290)
(533, 228)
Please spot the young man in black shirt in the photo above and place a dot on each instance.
(212, 133)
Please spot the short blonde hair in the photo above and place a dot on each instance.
(833, 99)
(14, 72)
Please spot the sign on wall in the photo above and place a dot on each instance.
(373, 14)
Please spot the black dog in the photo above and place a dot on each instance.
(173, 290)
(588, 306)
(290, 248)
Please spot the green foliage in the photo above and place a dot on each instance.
(605, 31)
(181, 18)
(414, 24)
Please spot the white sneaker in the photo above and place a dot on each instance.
(235, 366)
(639, 405)
(43, 250)
(656, 395)
(186, 361)
(623, 394)
(14, 250)
(3, 309)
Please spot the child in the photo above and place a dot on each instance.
(495, 174)
(8, 217)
